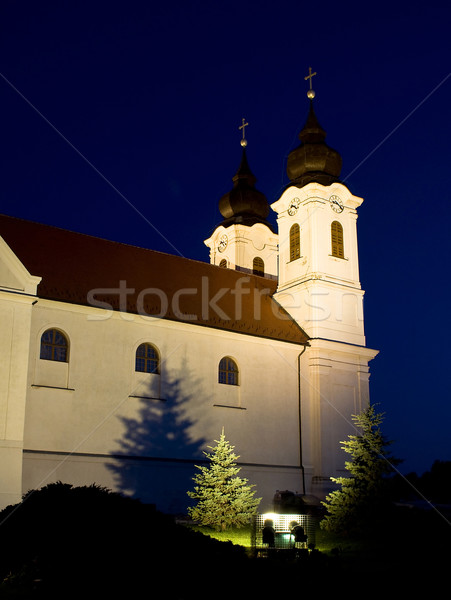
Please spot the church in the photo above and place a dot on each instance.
(120, 366)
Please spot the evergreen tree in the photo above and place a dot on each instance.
(223, 498)
(360, 502)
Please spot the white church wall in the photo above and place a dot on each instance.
(17, 287)
(15, 319)
(107, 409)
(335, 387)
(326, 310)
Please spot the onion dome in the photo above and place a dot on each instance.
(244, 203)
(313, 159)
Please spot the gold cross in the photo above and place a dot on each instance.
(310, 75)
(243, 127)
(310, 93)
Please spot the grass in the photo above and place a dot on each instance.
(242, 536)
(238, 536)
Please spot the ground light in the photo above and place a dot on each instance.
(282, 526)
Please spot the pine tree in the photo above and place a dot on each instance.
(223, 498)
(359, 504)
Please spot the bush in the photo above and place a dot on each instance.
(91, 539)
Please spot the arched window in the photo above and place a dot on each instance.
(295, 242)
(147, 359)
(258, 266)
(228, 371)
(337, 240)
(54, 346)
(223, 263)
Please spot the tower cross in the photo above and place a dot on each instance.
(310, 75)
(243, 127)
(310, 93)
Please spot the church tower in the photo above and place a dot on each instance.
(244, 240)
(319, 286)
(318, 257)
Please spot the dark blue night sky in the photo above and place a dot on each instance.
(120, 120)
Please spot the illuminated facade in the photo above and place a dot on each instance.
(120, 365)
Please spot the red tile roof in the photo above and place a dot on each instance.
(74, 265)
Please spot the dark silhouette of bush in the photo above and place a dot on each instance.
(433, 486)
(436, 483)
(89, 539)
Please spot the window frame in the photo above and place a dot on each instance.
(260, 269)
(148, 361)
(54, 346)
(295, 242)
(226, 374)
(337, 239)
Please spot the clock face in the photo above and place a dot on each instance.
(336, 204)
(222, 243)
(294, 205)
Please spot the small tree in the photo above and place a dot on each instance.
(223, 498)
(362, 496)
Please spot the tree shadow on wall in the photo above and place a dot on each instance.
(158, 449)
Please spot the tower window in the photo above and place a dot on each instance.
(223, 263)
(147, 359)
(295, 242)
(54, 346)
(228, 371)
(337, 240)
(258, 266)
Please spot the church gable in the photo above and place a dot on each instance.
(13, 274)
